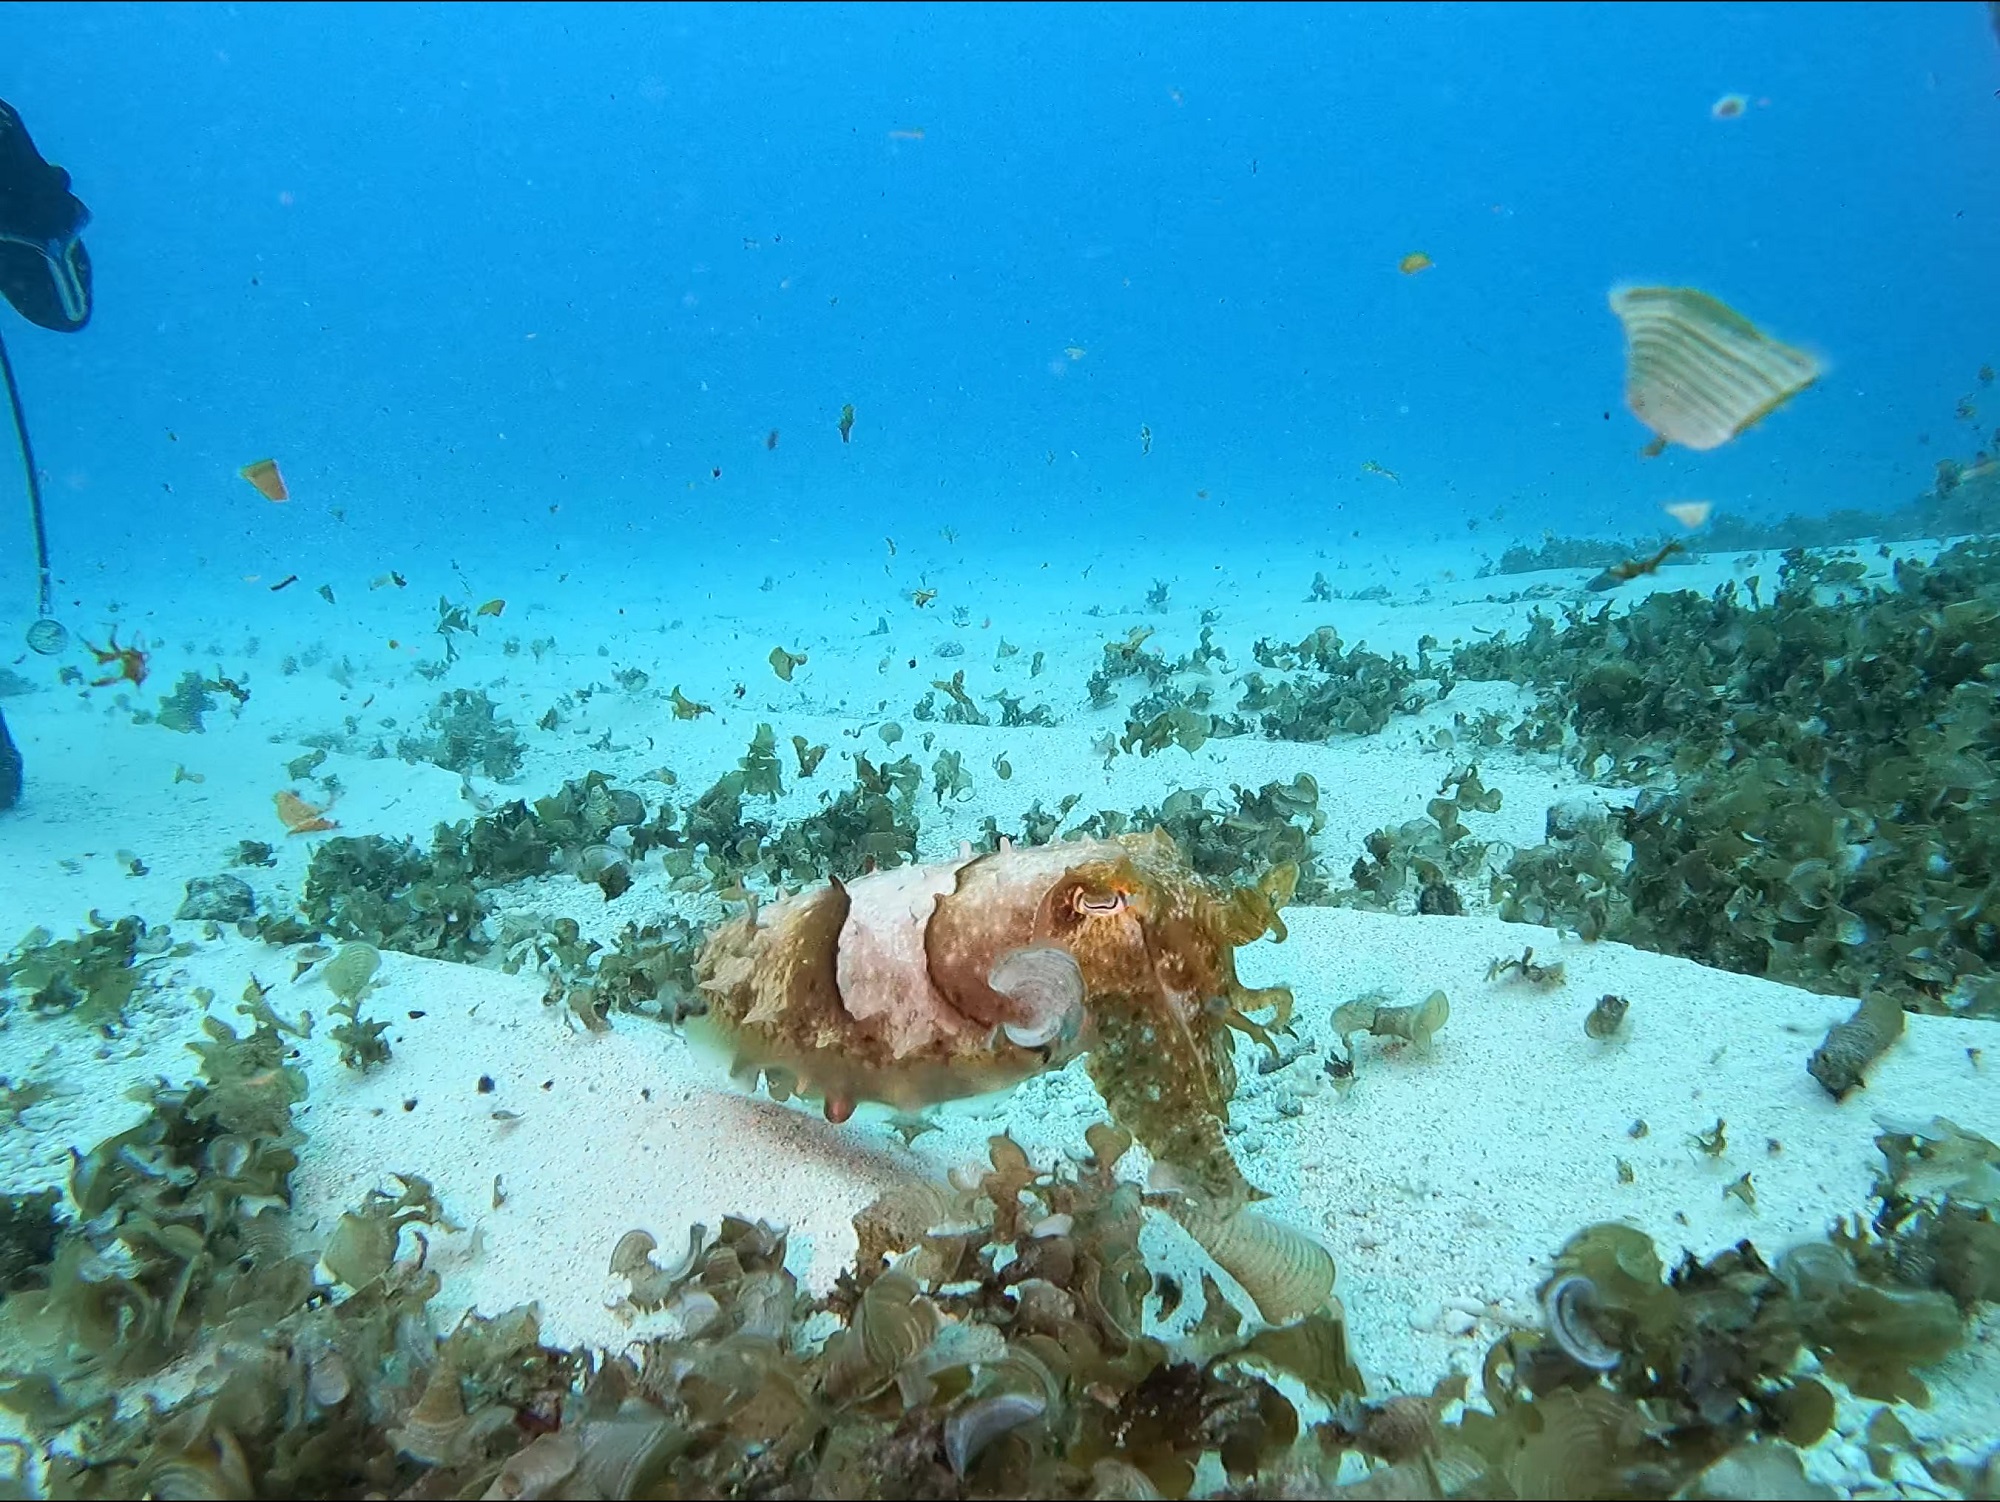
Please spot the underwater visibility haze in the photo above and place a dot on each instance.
(999, 750)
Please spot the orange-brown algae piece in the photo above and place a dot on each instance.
(299, 816)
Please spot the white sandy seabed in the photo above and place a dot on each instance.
(1442, 1182)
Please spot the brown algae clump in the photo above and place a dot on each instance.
(1607, 1015)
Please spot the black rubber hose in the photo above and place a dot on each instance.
(45, 586)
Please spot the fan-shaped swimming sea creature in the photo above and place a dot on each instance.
(1697, 372)
(929, 983)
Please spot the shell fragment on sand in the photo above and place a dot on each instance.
(1696, 371)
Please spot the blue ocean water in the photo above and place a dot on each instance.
(457, 265)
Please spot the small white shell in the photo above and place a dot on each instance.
(972, 1428)
(1565, 1305)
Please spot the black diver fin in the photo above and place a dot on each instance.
(44, 269)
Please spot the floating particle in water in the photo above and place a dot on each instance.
(1414, 262)
(1697, 372)
(264, 475)
(1728, 107)
(1689, 514)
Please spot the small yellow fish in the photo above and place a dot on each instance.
(491, 607)
(1372, 468)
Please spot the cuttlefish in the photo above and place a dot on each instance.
(929, 983)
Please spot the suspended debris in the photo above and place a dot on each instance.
(264, 475)
(1696, 371)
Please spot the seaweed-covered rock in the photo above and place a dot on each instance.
(217, 899)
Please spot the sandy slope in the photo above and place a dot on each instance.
(1442, 1182)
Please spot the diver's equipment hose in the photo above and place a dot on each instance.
(40, 636)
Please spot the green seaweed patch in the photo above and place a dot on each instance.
(714, 825)
(1272, 826)
(362, 1248)
(1186, 724)
(763, 775)
(959, 708)
(1817, 773)
(992, 1338)
(93, 976)
(179, 1229)
(809, 756)
(390, 894)
(585, 812)
(466, 733)
(1436, 853)
(29, 1231)
(649, 971)
(871, 825)
(349, 976)
(1337, 691)
(949, 779)
(182, 709)
(1016, 712)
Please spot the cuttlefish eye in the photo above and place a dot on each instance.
(1102, 903)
